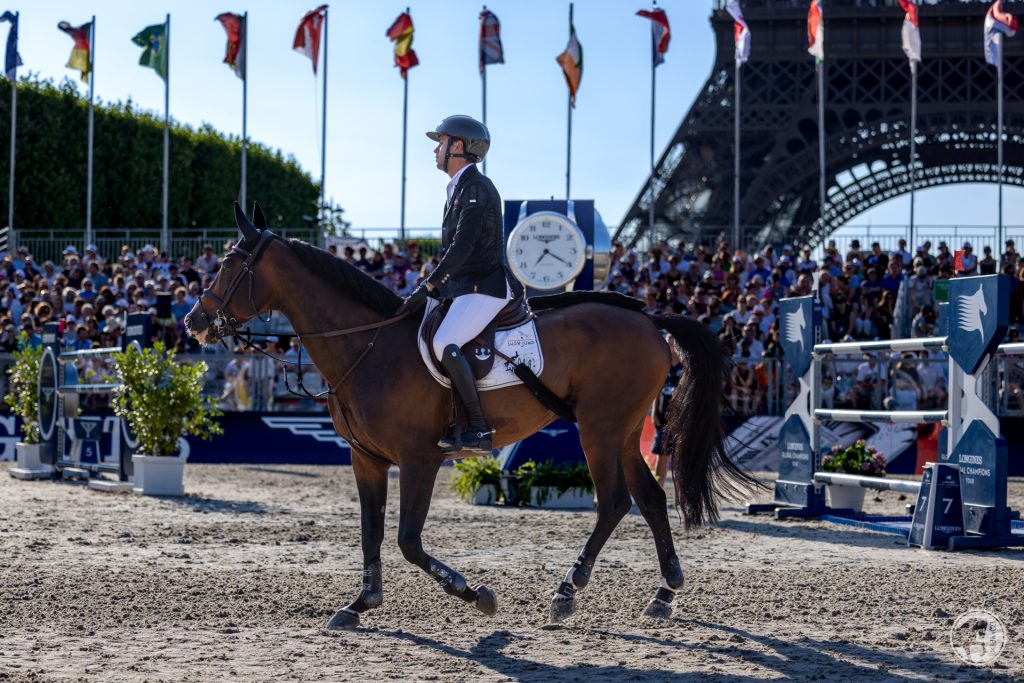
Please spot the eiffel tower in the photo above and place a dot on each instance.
(867, 121)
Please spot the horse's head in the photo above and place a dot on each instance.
(236, 295)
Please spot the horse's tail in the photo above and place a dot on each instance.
(701, 468)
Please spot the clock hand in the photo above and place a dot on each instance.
(560, 259)
(543, 254)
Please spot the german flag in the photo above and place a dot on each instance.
(81, 53)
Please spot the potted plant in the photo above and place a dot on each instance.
(478, 480)
(162, 401)
(859, 459)
(548, 485)
(23, 398)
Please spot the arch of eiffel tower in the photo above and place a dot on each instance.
(867, 121)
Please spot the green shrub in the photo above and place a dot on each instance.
(471, 474)
(562, 478)
(24, 388)
(162, 400)
(859, 458)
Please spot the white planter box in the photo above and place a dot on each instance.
(28, 465)
(573, 499)
(845, 497)
(485, 495)
(159, 475)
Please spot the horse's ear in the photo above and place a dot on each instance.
(258, 218)
(249, 232)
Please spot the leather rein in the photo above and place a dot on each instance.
(225, 325)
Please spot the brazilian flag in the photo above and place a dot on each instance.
(154, 40)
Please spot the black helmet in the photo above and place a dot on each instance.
(475, 138)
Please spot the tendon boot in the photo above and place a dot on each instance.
(477, 435)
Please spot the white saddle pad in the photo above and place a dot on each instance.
(519, 343)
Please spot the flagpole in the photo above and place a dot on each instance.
(568, 153)
(736, 166)
(14, 128)
(913, 148)
(92, 90)
(405, 127)
(323, 143)
(821, 142)
(999, 137)
(164, 234)
(483, 80)
(245, 99)
(650, 203)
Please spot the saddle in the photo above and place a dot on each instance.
(480, 351)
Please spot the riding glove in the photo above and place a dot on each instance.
(413, 301)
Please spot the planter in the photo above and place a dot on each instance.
(28, 456)
(159, 475)
(845, 497)
(485, 495)
(572, 499)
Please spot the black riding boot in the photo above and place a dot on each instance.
(477, 436)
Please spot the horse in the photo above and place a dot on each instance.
(608, 363)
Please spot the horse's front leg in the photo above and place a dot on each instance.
(416, 480)
(372, 482)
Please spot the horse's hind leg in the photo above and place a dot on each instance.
(650, 498)
(372, 482)
(603, 449)
(416, 480)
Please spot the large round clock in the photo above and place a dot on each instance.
(546, 250)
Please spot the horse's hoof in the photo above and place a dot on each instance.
(658, 609)
(345, 618)
(561, 609)
(486, 600)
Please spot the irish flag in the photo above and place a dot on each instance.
(816, 31)
(571, 62)
(80, 59)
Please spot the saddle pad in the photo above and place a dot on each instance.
(519, 343)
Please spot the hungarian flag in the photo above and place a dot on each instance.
(401, 34)
(81, 54)
(12, 60)
(660, 33)
(741, 32)
(307, 36)
(997, 24)
(572, 64)
(234, 54)
(911, 31)
(154, 40)
(491, 51)
(816, 31)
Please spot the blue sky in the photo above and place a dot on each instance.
(526, 96)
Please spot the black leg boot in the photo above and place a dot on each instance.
(477, 436)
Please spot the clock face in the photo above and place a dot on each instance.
(546, 250)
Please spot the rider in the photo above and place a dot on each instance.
(473, 271)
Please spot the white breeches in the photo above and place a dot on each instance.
(467, 317)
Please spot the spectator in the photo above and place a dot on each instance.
(987, 265)
(207, 263)
(923, 324)
(968, 261)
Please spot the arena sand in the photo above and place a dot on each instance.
(236, 580)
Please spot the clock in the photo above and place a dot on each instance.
(547, 250)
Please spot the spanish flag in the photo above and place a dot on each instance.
(401, 33)
(81, 53)
(572, 64)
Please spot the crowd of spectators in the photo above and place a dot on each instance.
(736, 293)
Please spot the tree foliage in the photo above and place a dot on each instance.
(23, 397)
(205, 167)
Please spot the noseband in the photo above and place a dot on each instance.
(223, 324)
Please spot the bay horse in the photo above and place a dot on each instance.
(608, 363)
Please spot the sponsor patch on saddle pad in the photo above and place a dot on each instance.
(519, 343)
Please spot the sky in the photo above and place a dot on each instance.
(526, 96)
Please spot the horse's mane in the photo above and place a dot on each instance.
(345, 277)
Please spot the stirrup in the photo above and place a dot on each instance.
(477, 442)
(451, 442)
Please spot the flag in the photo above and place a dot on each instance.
(81, 53)
(997, 24)
(234, 53)
(911, 31)
(660, 33)
(307, 35)
(491, 51)
(12, 60)
(816, 31)
(741, 32)
(401, 34)
(572, 64)
(154, 56)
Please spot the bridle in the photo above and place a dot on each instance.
(223, 324)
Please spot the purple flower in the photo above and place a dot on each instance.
(865, 466)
